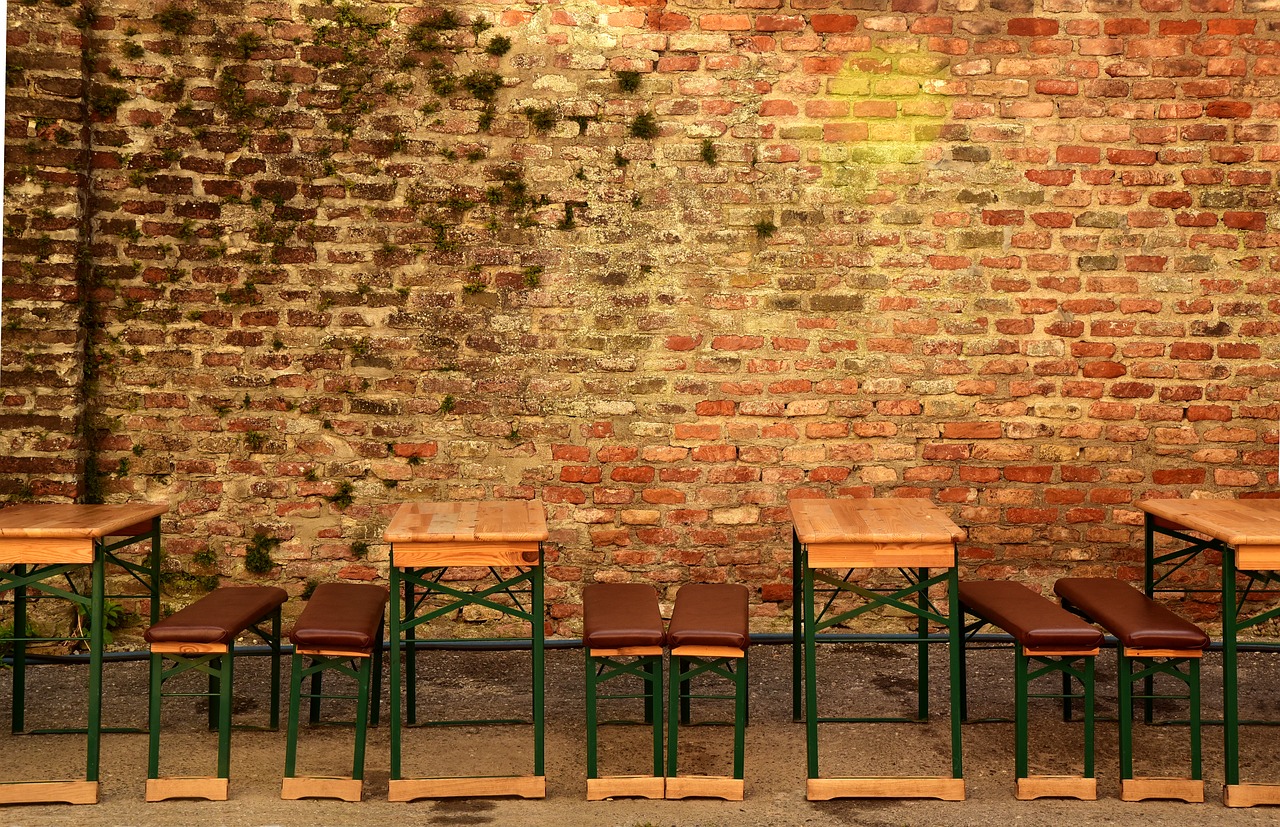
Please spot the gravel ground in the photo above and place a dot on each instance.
(876, 678)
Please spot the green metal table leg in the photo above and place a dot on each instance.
(394, 668)
(810, 676)
(410, 652)
(955, 627)
(96, 645)
(797, 628)
(1148, 583)
(922, 650)
(537, 632)
(18, 713)
(155, 571)
(1230, 675)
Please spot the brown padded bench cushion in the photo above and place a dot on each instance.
(218, 616)
(1135, 619)
(1035, 622)
(710, 614)
(341, 616)
(620, 615)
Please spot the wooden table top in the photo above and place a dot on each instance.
(73, 521)
(1238, 522)
(489, 521)
(895, 521)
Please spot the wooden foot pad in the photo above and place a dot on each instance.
(345, 789)
(522, 786)
(1250, 795)
(1056, 786)
(49, 792)
(825, 789)
(705, 786)
(213, 789)
(626, 786)
(1141, 789)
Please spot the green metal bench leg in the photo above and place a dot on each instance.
(226, 664)
(1021, 681)
(1132, 789)
(1124, 679)
(359, 668)
(684, 669)
(655, 693)
(295, 702)
(1089, 710)
(153, 717)
(592, 723)
(677, 703)
(1193, 697)
(740, 714)
(1026, 669)
(362, 718)
(600, 670)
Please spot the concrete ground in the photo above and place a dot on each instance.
(873, 678)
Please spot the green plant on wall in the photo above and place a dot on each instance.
(176, 19)
(257, 557)
(644, 126)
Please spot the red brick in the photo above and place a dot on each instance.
(1033, 27)
(831, 23)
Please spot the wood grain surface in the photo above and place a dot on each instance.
(69, 521)
(872, 521)
(495, 521)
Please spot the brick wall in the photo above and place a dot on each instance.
(662, 265)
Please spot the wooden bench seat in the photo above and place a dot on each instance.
(202, 637)
(339, 630)
(708, 636)
(1158, 642)
(1048, 640)
(623, 635)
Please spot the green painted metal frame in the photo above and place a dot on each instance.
(683, 670)
(363, 670)
(599, 670)
(1233, 619)
(1026, 670)
(918, 585)
(1148, 668)
(219, 666)
(406, 603)
(1029, 668)
(20, 578)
